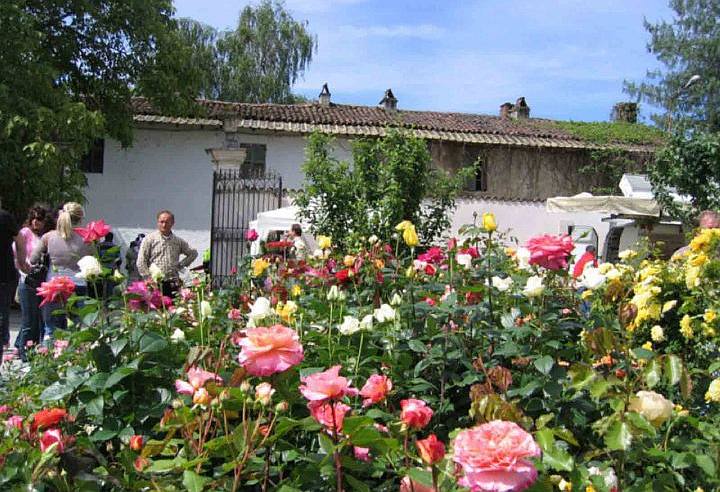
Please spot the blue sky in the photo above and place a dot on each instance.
(567, 57)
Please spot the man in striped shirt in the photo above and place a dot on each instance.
(162, 248)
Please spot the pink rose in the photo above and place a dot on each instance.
(432, 255)
(50, 437)
(362, 454)
(234, 314)
(550, 251)
(492, 457)
(251, 235)
(93, 231)
(329, 415)
(375, 389)
(267, 351)
(431, 449)
(4, 409)
(415, 413)
(326, 385)
(196, 379)
(14, 421)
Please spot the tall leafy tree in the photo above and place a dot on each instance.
(687, 46)
(258, 61)
(69, 69)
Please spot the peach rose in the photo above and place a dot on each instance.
(492, 457)
(415, 413)
(267, 351)
(326, 385)
(329, 415)
(431, 449)
(375, 389)
(550, 251)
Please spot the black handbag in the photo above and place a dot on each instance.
(38, 273)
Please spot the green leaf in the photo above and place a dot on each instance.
(706, 464)
(118, 375)
(95, 406)
(350, 424)
(544, 364)
(421, 476)
(653, 373)
(640, 423)
(356, 484)
(365, 437)
(326, 444)
(618, 436)
(417, 346)
(116, 346)
(673, 369)
(103, 435)
(152, 342)
(56, 391)
(581, 376)
(194, 482)
(553, 456)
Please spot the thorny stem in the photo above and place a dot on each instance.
(336, 455)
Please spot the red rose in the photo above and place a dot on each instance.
(550, 251)
(48, 418)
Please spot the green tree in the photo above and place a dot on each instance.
(688, 166)
(258, 61)
(69, 70)
(390, 180)
(688, 46)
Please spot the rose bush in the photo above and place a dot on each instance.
(468, 366)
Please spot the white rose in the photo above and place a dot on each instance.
(367, 322)
(464, 260)
(522, 255)
(592, 278)
(177, 336)
(260, 308)
(502, 284)
(333, 294)
(653, 406)
(627, 254)
(373, 239)
(205, 309)
(396, 300)
(349, 325)
(117, 276)
(156, 274)
(534, 286)
(384, 313)
(90, 267)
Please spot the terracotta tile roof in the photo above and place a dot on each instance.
(341, 119)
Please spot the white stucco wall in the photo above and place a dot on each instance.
(169, 169)
(526, 219)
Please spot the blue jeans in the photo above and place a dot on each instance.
(6, 295)
(31, 326)
(59, 320)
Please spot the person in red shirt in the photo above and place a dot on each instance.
(587, 257)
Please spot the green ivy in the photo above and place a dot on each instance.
(603, 132)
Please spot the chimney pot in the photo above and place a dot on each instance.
(389, 101)
(625, 112)
(324, 96)
(505, 110)
(520, 111)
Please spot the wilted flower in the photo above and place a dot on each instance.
(90, 267)
(653, 406)
(493, 457)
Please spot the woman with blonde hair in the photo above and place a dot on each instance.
(65, 247)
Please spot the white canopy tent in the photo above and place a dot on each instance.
(280, 219)
(614, 205)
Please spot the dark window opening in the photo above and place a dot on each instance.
(93, 161)
(254, 164)
(481, 176)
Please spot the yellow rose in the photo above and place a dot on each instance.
(259, 265)
(647, 345)
(668, 306)
(488, 222)
(686, 327)
(657, 334)
(296, 290)
(698, 260)
(713, 392)
(349, 260)
(324, 242)
(709, 316)
(410, 236)
(692, 277)
(287, 310)
(403, 225)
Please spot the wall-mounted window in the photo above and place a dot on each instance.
(254, 164)
(481, 175)
(93, 161)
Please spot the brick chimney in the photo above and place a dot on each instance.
(520, 111)
(625, 112)
(324, 96)
(505, 110)
(389, 101)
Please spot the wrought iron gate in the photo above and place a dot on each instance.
(237, 199)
